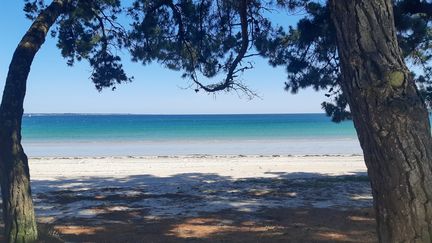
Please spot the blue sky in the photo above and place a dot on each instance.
(53, 87)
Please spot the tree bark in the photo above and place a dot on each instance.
(390, 117)
(18, 211)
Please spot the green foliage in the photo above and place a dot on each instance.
(89, 30)
(413, 20)
(181, 36)
(308, 51)
(312, 42)
(205, 37)
(201, 38)
(210, 39)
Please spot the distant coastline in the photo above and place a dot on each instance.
(159, 114)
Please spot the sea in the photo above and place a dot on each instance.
(75, 135)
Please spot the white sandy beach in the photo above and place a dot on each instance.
(207, 183)
(86, 198)
(234, 167)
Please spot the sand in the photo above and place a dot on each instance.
(235, 167)
(204, 198)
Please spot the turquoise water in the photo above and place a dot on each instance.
(126, 135)
(181, 127)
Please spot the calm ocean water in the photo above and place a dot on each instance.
(108, 135)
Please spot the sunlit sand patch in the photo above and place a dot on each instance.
(151, 217)
(81, 185)
(46, 220)
(117, 208)
(261, 192)
(78, 230)
(100, 197)
(362, 197)
(207, 227)
(248, 223)
(359, 218)
(334, 236)
(99, 210)
(43, 207)
(90, 212)
(270, 192)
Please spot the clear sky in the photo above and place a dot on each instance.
(53, 87)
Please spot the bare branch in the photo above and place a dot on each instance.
(229, 80)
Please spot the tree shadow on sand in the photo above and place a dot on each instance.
(197, 207)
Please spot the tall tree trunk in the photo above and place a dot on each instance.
(390, 117)
(18, 211)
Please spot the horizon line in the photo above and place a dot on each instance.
(168, 114)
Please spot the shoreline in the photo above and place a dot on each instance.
(182, 148)
(198, 156)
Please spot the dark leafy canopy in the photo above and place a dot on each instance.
(205, 38)
(413, 20)
(309, 50)
(89, 30)
(215, 39)
(309, 53)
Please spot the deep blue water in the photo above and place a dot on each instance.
(147, 128)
